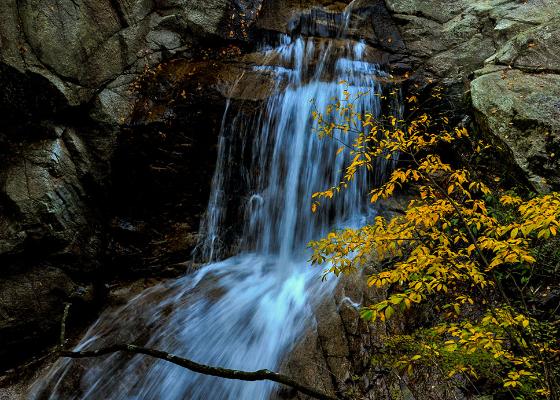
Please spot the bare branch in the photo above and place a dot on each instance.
(260, 375)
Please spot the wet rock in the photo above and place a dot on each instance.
(366, 20)
(120, 294)
(49, 206)
(306, 363)
(122, 325)
(285, 16)
(332, 353)
(335, 355)
(84, 41)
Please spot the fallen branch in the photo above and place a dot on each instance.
(262, 374)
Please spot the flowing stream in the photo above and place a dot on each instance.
(247, 311)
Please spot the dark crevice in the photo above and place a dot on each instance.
(120, 14)
(326, 357)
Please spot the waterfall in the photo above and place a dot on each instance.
(288, 161)
(243, 312)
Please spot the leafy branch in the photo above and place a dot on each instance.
(448, 235)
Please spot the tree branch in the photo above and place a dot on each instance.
(260, 375)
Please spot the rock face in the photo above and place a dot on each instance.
(87, 191)
(518, 109)
(523, 111)
(516, 97)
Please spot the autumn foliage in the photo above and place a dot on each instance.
(459, 245)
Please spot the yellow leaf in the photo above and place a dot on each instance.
(339, 150)
(389, 311)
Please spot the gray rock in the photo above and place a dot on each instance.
(49, 202)
(523, 111)
(164, 41)
(462, 59)
(536, 12)
(203, 17)
(535, 49)
(439, 11)
(112, 105)
(10, 35)
(84, 41)
(455, 39)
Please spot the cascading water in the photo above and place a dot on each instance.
(244, 312)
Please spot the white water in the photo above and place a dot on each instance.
(244, 312)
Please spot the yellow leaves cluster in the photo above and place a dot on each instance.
(448, 237)
(514, 377)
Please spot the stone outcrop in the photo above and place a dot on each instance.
(505, 46)
(516, 96)
(522, 110)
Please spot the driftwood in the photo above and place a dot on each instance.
(260, 375)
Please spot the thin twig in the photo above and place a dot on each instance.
(63, 327)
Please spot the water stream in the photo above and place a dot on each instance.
(247, 311)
